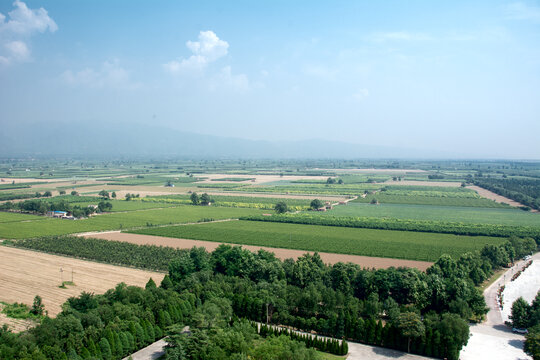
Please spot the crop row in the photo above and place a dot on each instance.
(381, 197)
(112, 252)
(405, 225)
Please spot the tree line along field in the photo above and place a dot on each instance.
(366, 242)
(173, 215)
(506, 216)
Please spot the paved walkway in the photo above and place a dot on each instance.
(151, 352)
(492, 339)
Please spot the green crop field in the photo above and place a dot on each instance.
(7, 217)
(473, 215)
(368, 242)
(228, 199)
(431, 200)
(122, 205)
(174, 215)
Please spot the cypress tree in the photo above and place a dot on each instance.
(378, 333)
(85, 353)
(125, 343)
(92, 348)
(105, 348)
(166, 283)
(150, 284)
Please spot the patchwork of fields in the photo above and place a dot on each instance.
(151, 217)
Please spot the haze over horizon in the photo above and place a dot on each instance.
(448, 78)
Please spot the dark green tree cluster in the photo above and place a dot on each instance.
(204, 199)
(525, 316)
(109, 326)
(426, 313)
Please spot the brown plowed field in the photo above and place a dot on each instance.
(25, 274)
(329, 258)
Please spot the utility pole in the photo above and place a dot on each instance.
(62, 275)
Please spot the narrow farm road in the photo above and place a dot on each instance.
(492, 339)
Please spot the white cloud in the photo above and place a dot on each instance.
(208, 49)
(110, 74)
(17, 50)
(398, 36)
(361, 94)
(522, 11)
(25, 21)
(22, 24)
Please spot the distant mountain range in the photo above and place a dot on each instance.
(102, 139)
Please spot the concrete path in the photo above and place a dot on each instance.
(366, 352)
(492, 339)
(151, 352)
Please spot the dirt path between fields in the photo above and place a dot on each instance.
(329, 258)
(496, 197)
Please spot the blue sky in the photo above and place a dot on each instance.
(461, 77)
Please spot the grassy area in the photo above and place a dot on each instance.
(239, 199)
(172, 215)
(122, 205)
(431, 200)
(327, 356)
(368, 242)
(438, 213)
(9, 217)
(18, 311)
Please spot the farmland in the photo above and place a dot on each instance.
(366, 242)
(25, 273)
(473, 215)
(125, 220)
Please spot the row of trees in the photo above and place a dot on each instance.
(404, 224)
(330, 345)
(41, 207)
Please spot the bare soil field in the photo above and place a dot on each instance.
(26, 180)
(423, 183)
(329, 258)
(492, 196)
(25, 274)
(374, 171)
(259, 179)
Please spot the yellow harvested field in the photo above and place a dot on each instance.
(25, 274)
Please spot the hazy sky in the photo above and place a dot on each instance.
(453, 76)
